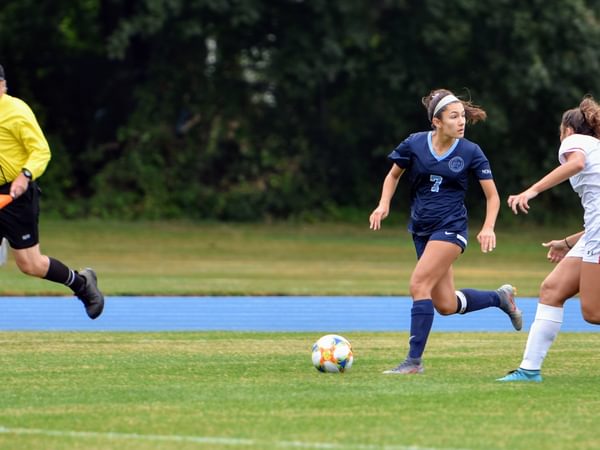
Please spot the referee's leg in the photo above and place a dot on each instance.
(84, 284)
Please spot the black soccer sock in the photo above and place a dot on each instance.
(59, 273)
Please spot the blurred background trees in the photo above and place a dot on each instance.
(259, 109)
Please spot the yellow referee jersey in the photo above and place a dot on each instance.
(22, 142)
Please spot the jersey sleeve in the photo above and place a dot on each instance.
(33, 140)
(401, 155)
(480, 165)
(573, 143)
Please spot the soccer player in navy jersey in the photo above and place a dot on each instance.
(439, 163)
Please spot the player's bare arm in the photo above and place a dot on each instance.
(574, 164)
(389, 187)
(558, 248)
(487, 236)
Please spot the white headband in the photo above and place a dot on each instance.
(443, 102)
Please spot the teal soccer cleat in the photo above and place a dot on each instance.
(523, 375)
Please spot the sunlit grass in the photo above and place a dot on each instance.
(127, 390)
(182, 258)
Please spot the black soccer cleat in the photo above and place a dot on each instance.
(90, 295)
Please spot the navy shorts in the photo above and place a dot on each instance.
(459, 238)
(19, 219)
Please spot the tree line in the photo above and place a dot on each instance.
(258, 109)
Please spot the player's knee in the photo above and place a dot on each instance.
(446, 310)
(419, 293)
(590, 315)
(413, 288)
(29, 267)
(26, 268)
(419, 289)
(547, 290)
(592, 318)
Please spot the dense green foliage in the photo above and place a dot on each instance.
(249, 109)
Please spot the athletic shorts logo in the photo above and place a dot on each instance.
(456, 164)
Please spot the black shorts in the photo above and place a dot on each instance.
(19, 219)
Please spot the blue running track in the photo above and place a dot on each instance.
(324, 314)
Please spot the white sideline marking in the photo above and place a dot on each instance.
(234, 442)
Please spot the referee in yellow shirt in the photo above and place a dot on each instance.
(24, 155)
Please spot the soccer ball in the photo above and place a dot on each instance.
(332, 353)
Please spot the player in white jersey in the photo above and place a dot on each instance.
(578, 255)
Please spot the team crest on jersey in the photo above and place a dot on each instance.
(456, 164)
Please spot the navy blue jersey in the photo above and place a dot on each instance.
(439, 183)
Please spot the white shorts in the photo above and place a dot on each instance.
(588, 251)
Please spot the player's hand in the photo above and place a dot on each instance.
(380, 213)
(19, 186)
(557, 250)
(521, 201)
(487, 239)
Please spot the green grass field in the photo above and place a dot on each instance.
(178, 258)
(259, 391)
(216, 390)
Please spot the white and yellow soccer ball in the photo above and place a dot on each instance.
(332, 353)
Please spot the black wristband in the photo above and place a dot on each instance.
(567, 244)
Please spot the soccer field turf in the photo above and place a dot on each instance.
(217, 390)
(180, 258)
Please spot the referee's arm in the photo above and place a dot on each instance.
(37, 148)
